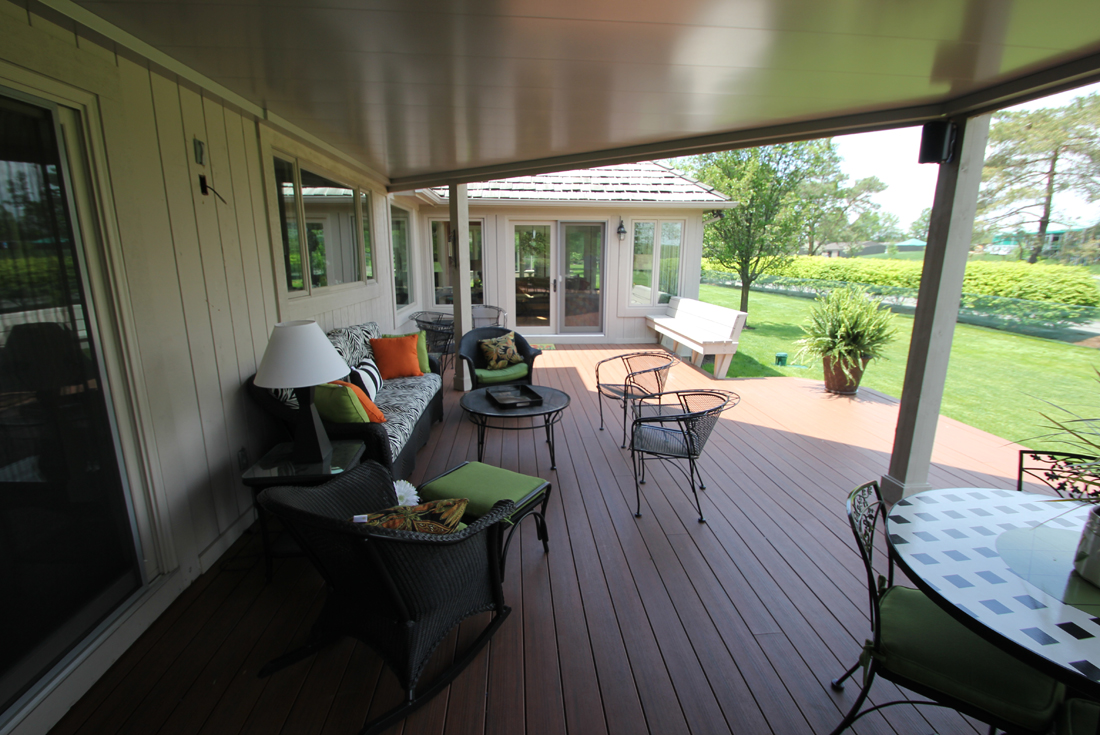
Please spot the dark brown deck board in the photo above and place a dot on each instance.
(658, 624)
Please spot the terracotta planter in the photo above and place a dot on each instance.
(837, 382)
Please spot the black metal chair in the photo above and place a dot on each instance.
(399, 592)
(919, 646)
(485, 315)
(675, 431)
(646, 374)
(439, 331)
(1070, 475)
(470, 352)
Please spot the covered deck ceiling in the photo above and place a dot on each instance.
(432, 92)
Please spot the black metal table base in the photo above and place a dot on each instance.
(548, 421)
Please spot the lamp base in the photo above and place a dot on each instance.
(311, 444)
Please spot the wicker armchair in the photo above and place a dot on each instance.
(470, 352)
(646, 374)
(399, 592)
(675, 425)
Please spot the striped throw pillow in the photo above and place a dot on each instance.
(370, 378)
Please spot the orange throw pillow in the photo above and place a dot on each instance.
(396, 356)
(375, 413)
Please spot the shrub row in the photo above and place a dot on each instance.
(1014, 280)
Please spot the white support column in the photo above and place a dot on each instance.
(460, 275)
(937, 310)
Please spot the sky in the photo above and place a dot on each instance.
(891, 155)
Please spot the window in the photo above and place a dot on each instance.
(663, 238)
(334, 217)
(402, 257)
(441, 265)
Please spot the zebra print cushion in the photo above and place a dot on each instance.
(353, 343)
(403, 400)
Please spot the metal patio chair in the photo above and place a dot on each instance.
(918, 645)
(1070, 475)
(439, 331)
(646, 374)
(675, 430)
(485, 315)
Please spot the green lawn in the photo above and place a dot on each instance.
(997, 381)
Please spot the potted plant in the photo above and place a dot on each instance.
(847, 329)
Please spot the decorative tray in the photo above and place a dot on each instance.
(513, 396)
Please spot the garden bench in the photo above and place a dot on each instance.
(705, 329)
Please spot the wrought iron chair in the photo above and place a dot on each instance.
(485, 315)
(476, 364)
(674, 431)
(439, 331)
(646, 374)
(918, 645)
(400, 592)
(1069, 475)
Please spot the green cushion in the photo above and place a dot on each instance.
(512, 372)
(338, 404)
(421, 349)
(484, 485)
(1078, 717)
(923, 643)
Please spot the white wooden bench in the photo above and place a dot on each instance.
(704, 328)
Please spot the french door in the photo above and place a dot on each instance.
(559, 270)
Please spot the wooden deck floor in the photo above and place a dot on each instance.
(654, 625)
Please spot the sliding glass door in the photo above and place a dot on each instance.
(67, 544)
(582, 269)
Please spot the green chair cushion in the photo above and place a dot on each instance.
(484, 485)
(923, 643)
(1078, 717)
(512, 372)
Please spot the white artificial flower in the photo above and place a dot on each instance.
(406, 493)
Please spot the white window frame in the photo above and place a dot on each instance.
(654, 289)
(431, 259)
(308, 290)
(414, 287)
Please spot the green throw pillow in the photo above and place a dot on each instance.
(436, 516)
(421, 349)
(500, 352)
(338, 404)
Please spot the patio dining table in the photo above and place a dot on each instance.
(1001, 562)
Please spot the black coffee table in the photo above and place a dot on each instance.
(488, 415)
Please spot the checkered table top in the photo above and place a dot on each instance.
(1006, 559)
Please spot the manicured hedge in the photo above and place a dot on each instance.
(1014, 280)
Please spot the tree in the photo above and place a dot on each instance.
(763, 232)
(875, 226)
(1035, 155)
(919, 229)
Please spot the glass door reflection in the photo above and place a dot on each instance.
(534, 277)
(582, 255)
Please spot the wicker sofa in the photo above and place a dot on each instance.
(411, 406)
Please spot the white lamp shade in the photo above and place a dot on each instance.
(299, 355)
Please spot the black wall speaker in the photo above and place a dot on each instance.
(937, 142)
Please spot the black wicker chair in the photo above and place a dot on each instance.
(397, 591)
(471, 354)
(646, 374)
(919, 646)
(1069, 475)
(673, 431)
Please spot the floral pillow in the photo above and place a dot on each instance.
(500, 352)
(436, 516)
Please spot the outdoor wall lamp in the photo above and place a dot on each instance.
(621, 230)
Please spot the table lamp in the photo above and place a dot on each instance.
(300, 356)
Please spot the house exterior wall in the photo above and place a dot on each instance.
(187, 289)
(623, 323)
